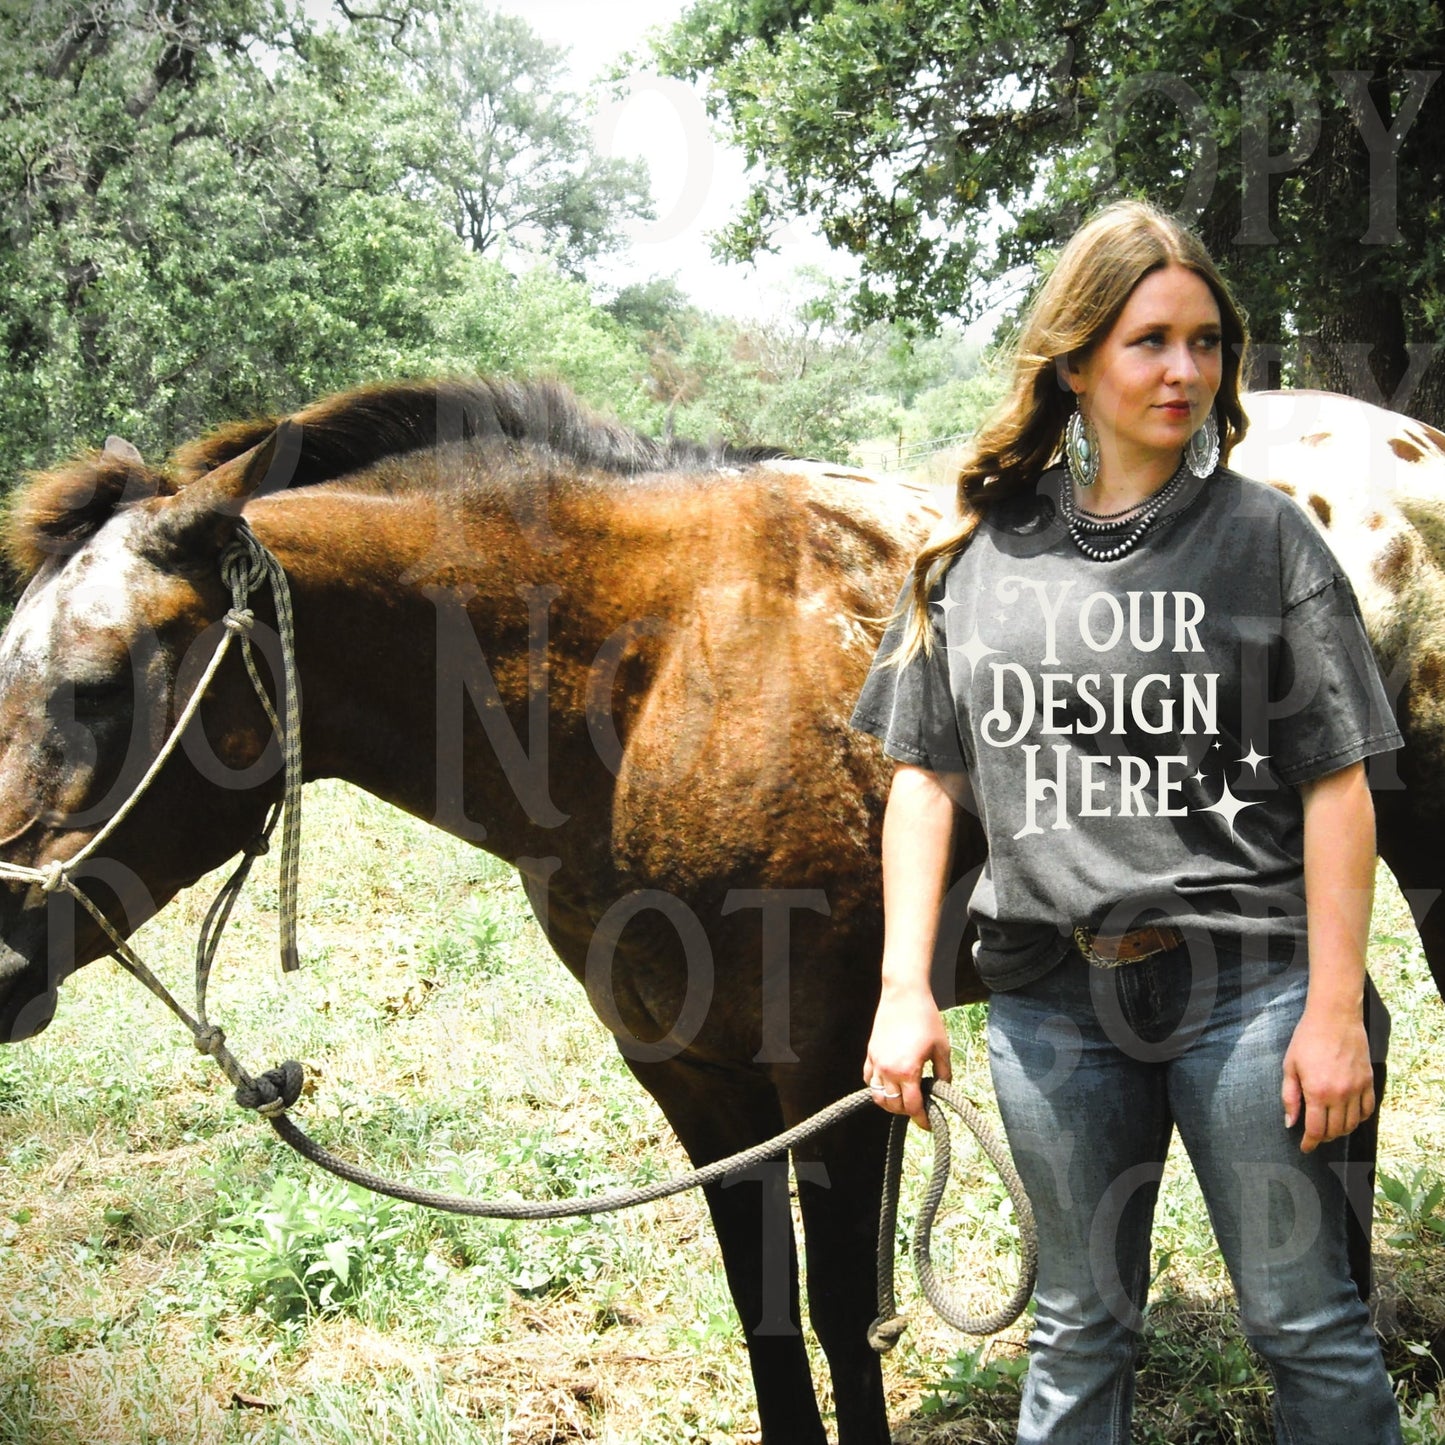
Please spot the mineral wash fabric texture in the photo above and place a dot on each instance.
(1135, 730)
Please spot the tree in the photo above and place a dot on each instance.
(650, 306)
(219, 210)
(802, 380)
(946, 143)
(514, 158)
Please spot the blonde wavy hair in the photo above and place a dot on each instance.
(1072, 312)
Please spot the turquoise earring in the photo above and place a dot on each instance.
(1081, 450)
(1201, 454)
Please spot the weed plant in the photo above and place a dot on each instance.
(170, 1273)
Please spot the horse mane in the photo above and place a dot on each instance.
(356, 429)
(57, 510)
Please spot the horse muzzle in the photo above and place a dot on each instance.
(28, 999)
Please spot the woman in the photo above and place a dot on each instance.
(1150, 679)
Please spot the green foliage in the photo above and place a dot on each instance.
(954, 408)
(412, 1410)
(555, 328)
(1422, 1421)
(231, 211)
(1416, 1203)
(13, 1091)
(804, 381)
(945, 145)
(512, 159)
(311, 1247)
(976, 1378)
(649, 307)
(472, 940)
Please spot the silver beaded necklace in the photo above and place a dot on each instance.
(1106, 548)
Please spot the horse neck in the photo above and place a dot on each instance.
(448, 651)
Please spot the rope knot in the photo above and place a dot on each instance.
(242, 567)
(211, 1041)
(274, 1091)
(240, 620)
(54, 876)
(884, 1334)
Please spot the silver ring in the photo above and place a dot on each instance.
(879, 1089)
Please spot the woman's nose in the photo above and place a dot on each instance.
(1182, 363)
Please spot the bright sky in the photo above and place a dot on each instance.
(697, 182)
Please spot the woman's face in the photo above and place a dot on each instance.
(1149, 384)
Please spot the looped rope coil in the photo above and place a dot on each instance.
(885, 1331)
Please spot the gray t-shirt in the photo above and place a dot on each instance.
(1135, 730)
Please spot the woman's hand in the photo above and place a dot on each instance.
(1327, 1078)
(908, 1032)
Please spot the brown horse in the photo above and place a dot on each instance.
(623, 666)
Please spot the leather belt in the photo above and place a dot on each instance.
(1106, 952)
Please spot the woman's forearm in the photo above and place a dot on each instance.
(1338, 883)
(1339, 848)
(908, 1030)
(1328, 1081)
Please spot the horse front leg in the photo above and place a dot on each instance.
(840, 1178)
(716, 1115)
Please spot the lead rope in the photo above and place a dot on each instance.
(884, 1332)
(889, 1325)
(246, 565)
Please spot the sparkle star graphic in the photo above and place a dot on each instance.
(1228, 807)
(947, 604)
(1254, 759)
(975, 649)
(1198, 777)
(1216, 746)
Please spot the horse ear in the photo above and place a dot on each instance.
(118, 447)
(199, 521)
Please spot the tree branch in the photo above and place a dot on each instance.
(397, 22)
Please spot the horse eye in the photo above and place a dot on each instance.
(92, 699)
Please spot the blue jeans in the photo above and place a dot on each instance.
(1094, 1068)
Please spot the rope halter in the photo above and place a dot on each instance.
(245, 566)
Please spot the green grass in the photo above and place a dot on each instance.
(170, 1273)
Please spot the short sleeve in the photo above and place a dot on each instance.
(1329, 706)
(910, 706)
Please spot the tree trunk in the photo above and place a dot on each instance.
(1359, 342)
